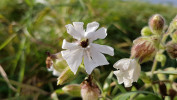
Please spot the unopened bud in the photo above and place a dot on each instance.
(156, 24)
(171, 49)
(143, 50)
(73, 90)
(146, 31)
(161, 58)
(66, 76)
(89, 90)
(60, 64)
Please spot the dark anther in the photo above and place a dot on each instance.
(84, 43)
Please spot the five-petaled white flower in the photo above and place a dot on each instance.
(128, 71)
(84, 48)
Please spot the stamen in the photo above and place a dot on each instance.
(84, 43)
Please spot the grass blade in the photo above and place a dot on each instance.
(7, 41)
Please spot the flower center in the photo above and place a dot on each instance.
(84, 43)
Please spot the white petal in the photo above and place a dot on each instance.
(104, 49)
(99, 34)
(89, 63)
(127, 82)
(135, 70)
(98, 57)
(118, 73)
(71, 30)
(51, 68)
(122, 64)
(56, 73)
(119, 76)
(67, 45)
(73, 58)
(91, 27)
(79, 27)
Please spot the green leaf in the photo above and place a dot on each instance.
(166, 72)
(148, 97)
(107, 82)
(125, 96)
(122, 89)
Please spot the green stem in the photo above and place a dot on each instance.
(153, 67)
(162, 41)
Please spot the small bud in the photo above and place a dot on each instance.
(161, 58)
(143, 50)
(171, 49)
(73, 90)
(146, 31)
(156, 24)
(66, 76)
(89, 90)
(59, 64)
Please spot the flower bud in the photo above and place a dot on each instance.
(73, 90)
(156, 24)
(171, 49)
(161, 58)
(66, 76)
(89, 90)
(143, 50)
(59, 64)
(146, 31)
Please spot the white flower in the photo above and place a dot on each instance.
(128, 71)
(84, 48)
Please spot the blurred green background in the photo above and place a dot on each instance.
(29, 28)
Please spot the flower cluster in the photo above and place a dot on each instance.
(149, 46)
